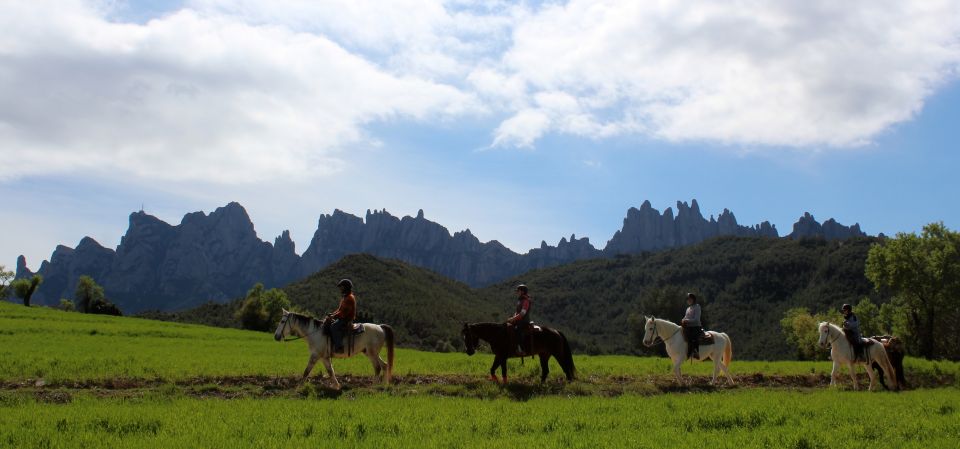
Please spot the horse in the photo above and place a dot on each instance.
(544, 342)
(369, 341)
(895, 352)
(720, 351)
(841, 352)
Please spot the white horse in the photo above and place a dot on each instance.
(841, 352)
(369, 342)
(720, 350)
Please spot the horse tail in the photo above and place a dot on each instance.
(886, 364)
(727, 351)
(388, 336)
(566, 360)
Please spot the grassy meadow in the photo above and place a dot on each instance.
(73, 380)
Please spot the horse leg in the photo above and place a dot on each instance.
(872, 375)
(493, 368)
(376, 362)
(716, 369)
(676, 367)
(503, 368)
(329, 366)
(310, 363)
(853, 375)
(834, 373)
(544, 366)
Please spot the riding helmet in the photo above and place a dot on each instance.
(522, 288)
(692, 296)
(846, 307)
(347, 283)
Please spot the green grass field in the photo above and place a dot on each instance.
(73, 380)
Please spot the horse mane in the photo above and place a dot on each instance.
(304, 320)
(655, 319)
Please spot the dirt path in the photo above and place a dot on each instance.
(230, 387)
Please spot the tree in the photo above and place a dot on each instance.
(66, 305)
(869, 316)
(800, 329)
(90, 298)
(923, 274)
(88, 293)
(25, 288)
(262, 309)
(5, 277)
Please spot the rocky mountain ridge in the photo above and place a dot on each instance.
(219, 256)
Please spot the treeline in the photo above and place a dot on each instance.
(921, 275)
(747, 287)
(425, 309)
(88, 297)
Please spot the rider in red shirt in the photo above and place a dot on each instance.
(344, 315)
(521, 319)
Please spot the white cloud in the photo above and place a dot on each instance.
(756, 73)
(190, 96)
(234, 91)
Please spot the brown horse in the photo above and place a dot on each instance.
(895, 352)
(544, 342)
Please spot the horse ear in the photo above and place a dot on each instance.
(285, 311)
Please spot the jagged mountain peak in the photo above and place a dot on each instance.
(218, 256)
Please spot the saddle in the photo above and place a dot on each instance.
(867, 342)
(356, 330)
(706, 338)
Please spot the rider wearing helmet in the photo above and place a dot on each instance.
(521, 318)
(692, 327)
(851, 329)
(344, 315)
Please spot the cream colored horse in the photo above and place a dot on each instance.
(373, 338)
(841, 352)
(670, 333)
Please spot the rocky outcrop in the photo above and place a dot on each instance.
(808, 227)
(219, 256)
(157, 265)
(645, 229)
(421, 242)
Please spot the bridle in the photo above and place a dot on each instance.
(656, 335)
(285, 321)
(830, 333)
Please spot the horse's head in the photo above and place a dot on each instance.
(470, 339)
(824, 329)
(283, 329)
(649, 331)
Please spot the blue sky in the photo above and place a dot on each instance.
(523, 122)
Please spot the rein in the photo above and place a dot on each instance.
(286, 323)
(830, 332)
(656, 333)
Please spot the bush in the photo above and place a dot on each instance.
(66, 305)
(261, 310)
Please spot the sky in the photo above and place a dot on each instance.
(521, 121)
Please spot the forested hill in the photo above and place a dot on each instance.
(746, 285)
(426, 309)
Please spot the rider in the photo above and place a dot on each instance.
(521, 319)
(851, 329)
(344, 315)
(692, 328)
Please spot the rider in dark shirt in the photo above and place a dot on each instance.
(692, 327)
(521, 318)
(851, 329)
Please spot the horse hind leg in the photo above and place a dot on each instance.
(378, 364)
(544, 367)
